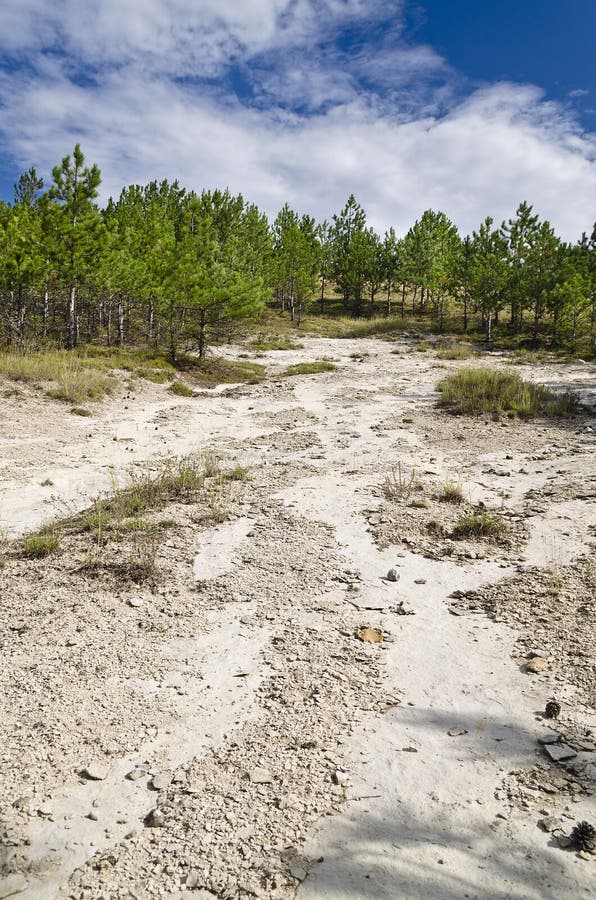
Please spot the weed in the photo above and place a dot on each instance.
(398, 486)
(236, 473)
(309, 368)
(180, 389)
(80, 411)
(481, 391)
(42, 544)
(274, 343)
(478, 524)
(452, 492)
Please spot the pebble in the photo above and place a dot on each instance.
(135, 602)
(135, 774)
(551, 737)
(95, 772)
(156, 818)
(420, 581)
(392, 575)
(260, 776)
(549, 823)
(536, 664)
(340, 778)
(161, 781)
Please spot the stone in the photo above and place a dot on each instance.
(161, 781)
(95, 772)
(135, 602)
(536, 664)
(156, 818)
(392, 575)
(298, 873)
(136, 773)
(551, 737)
(193, 879)
(260, 776)
(420, 581)
(92, 815)
(559, 752)
(549, 823)
(340, 778)
(11, 885)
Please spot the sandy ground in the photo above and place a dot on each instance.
(245, 741)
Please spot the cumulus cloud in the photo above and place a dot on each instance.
(315, 126)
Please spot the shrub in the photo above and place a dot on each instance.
(481, 391)
(452, 492)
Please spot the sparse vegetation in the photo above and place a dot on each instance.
(485, 391)
(274, 342)
(80, 411)
(452, 492)
(399, 486)
(478, 525)
(42, 544)
(309, 368)
(180, 389)
(74, 380)
(454, 351)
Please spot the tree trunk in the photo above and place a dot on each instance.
(71, 319)
(202, 332)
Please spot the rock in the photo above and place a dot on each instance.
(549, 823)
(533, 654)
(92, 815)
(260, 776)
(404, 609)
(11, 885)
(298, 873)
(161, 781)
(135, 602)
(559, 752)
(136, 773)
(156, 818)
(95, 772)
(420, 581)
(340, 778)
(536, 664)
(551, 737)
(457, 732)
(392, 575)
(370, 635)
(193, 879)
(547, 787)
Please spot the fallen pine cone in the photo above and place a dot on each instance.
(552, 709)
(583, 836)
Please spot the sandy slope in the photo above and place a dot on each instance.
(256, 666)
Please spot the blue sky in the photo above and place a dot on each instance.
(467, 107)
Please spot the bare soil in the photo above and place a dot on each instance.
(188, 706)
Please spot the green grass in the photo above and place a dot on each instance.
(274, 342)
(454, 351)
(214, 371)
(80, 411)
(478, 524)
(484, 391)
(70, 376)
(180, 389)
(42, 544)
(309, 368)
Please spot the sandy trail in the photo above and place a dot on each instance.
(417, 812)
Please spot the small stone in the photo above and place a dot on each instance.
(340, 778)
(559, 752)
(156, 818)
(92, 815)
(392, 575)
(457, 732)
(161, 781)
(12, 884)
(551, 737)
(136, 773)
(549, 823)
(95, 772)
(420, 581)
(536, 664)
(193, 879)
(547, 787)
(298, 873)
(135, 602)
(260, 776)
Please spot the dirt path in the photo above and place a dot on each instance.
(268, 750)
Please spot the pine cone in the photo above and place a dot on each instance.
(552, 709)
(583, 836)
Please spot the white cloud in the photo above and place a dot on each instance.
(401, 148)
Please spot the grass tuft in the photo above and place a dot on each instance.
(309, 368)
(80, 411)
(180, 389)
(452, 492)
(478, 524)
(482, 391)
(454, 351)
(42, 544)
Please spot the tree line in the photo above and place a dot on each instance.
(172, 268)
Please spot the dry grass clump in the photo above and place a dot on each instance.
(274, 342)
(454, 351)
(73, 378)
(398, 485)
(309, 368)
(482, 391)
(452, 492)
